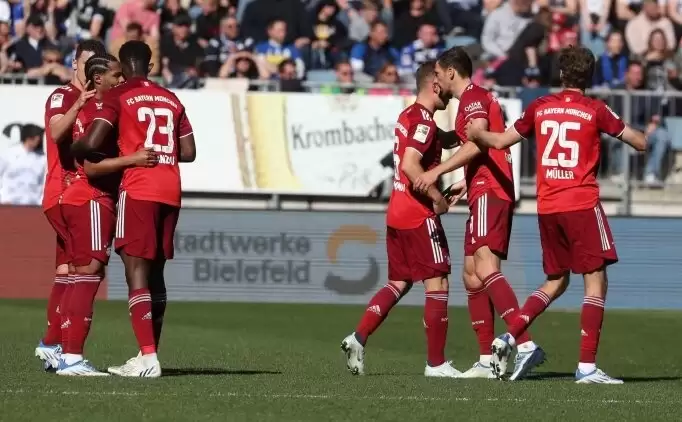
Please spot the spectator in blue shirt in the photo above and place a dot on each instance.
(274, 51)
(426, 47)
(370, 56)
(612, 65)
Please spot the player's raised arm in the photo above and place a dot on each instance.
(142, 158)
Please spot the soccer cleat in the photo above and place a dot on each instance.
(595, 377)
(446, 370)
(525, 362)
(501, 349)
(49, 355)
(355, 355)
(137, 367)
(479, 370)
(82, 368)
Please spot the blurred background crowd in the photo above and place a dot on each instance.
(373, 47)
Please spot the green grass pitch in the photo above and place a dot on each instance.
(250, 362)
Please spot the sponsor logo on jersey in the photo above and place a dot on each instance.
(612, 112)
(57, 100)
(401, 129)
(475, 106)
(421, 133)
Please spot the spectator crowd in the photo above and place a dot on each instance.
(353, 43)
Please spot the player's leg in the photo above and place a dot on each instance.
(91, 228)
(157, 289)
(381, 303)
(137, 241)
(592, 250)
(482, 318)
(556, 263)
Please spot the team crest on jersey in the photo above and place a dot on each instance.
(57, 100)
(421, 133)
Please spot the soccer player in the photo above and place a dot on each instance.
(574, 231)
(145, 115)
(415, 241)
(490, 187)
(61, 110)
(88, 206)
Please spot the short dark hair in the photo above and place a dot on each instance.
(30, 131)
(577, 67)
(135, 54)
(93, 46)
(374, 24)
(97, 65)
(35, 20)
(274, 21)
(286, 62)
(182, 19)
(425, 74)
(134, 26)
(458, 59)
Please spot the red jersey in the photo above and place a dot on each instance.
(492, 170)
(415, 129)
(567, 130)
(60, 166)
(148, 116)
(102, 189)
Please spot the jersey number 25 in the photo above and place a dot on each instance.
(160, 128)
(568, 157)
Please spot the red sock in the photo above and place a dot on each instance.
(158, 311)
(377, 311)
(436, 326)
(80, 307)
(536, 304)
(53, 334)
(591, 320)
(504, 300)
(64, 311)
(140, 306)
(482, 318)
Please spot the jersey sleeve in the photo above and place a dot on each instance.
(185, 127)
(109, 109)
(58, 104)
(525, 125)
(420, 135)
(474, 106)
(608, 121)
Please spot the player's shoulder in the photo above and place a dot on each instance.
(62, 94)
(67, 89)
(474, 92)
(417, 114)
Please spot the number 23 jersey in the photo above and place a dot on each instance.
(567, 128)
(148, 116)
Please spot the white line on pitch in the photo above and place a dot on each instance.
(320, 397)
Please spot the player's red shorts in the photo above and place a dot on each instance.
(145, 229)
(56, 219)
(91, 228)
(489, 224)
(418, 254)
(579, 241)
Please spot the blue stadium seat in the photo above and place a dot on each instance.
(459, 41)
(674, 125)
(321, 76)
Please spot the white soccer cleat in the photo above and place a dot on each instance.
(595, 377)
(138, 367)
(479, 370)
(355, 355)
(446, 370)
(50, 355)
(525, 362)
(82, 368)
(501, 350)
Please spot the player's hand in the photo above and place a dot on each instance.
(442, 206)
(145, 158)
(426, 179)
(85, 95)
(456, 192)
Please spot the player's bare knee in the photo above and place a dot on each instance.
(62, 269)
(95, 267)
(471, 281)
(485, 263)
(556, 285)
(436, 284)
(596, 283)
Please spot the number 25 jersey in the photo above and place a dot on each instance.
(567, 128)
(148, 116)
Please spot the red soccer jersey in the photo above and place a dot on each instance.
(148, 116)
(415, 129)
(60, 166)
(567, 130)
(102, 189)
(492, 170)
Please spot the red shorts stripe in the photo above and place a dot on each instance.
(91, 228)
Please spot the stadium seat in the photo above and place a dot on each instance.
(321, 76)
(674, 125)
(459, 41)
